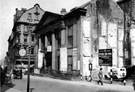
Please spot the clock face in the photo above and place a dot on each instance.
(22, 52)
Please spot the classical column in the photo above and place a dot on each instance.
(40, 55)
(53, 51)
(46, 41)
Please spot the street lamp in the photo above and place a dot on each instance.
(29, 52)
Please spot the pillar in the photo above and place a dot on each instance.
(53, 51)
(40, 55)
(46, 41)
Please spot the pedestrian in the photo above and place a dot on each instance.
(111, 76)
(90, 69)
(124, 80)
(100, 75)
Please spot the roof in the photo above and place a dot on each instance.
(47, 18)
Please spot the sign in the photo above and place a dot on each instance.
(22, 52)
(49, 48)
(86, 28)
(105, 57)
(40, 59)
(63, 59)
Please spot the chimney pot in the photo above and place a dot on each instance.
(63, 11)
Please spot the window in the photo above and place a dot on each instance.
(32, 50)
(70, 63)
(25, 28)
(32, 38)
(70, 36)
(30, 28)
(25, 38)
(29, 17)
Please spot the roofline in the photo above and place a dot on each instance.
(30, 9)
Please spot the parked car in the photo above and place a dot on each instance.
(118, 73)
(17, 73)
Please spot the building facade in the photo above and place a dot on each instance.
(128, 6)
(22, 36)
(69, 41)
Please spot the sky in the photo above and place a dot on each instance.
(7, 10)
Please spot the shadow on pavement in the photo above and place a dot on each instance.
(7, 86)
(31, 89)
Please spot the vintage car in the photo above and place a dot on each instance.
(17, 73)
(117, 73)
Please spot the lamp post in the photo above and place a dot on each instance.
(29, 54)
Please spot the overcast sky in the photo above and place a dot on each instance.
(7, 10)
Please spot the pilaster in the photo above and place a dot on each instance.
(53, 51)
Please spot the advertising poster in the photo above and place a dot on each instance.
(63, 59)
(40, 59)
(105, 57)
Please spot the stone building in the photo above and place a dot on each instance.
(25, 21)
(128, 6)
(68, 41)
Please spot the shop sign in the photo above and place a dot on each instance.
(105, 57)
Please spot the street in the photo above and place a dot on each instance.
(46, 84)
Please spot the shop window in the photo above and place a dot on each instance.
(18, 62)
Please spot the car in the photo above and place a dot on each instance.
(117, 73)
(17, 73)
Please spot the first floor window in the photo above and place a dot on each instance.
(32, 50)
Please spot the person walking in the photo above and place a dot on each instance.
(90, 69)
(100, 75)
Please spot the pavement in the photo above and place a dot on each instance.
(6, 88)
(116, 85)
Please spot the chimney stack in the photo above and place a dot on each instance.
(63, 11)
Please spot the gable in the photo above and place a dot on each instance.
(47, 18)
(50, 17)
(32, 15)
(109, 9)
